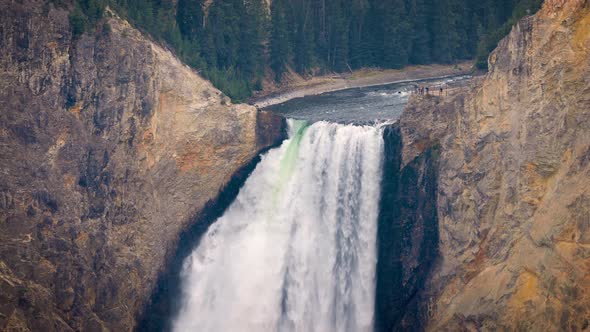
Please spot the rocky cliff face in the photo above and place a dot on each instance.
(407, 234)
(109, 149)
(513, 182)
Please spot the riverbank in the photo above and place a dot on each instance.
(297, 87)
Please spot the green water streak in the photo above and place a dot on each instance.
(289, 160)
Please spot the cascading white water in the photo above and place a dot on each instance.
(296, 250)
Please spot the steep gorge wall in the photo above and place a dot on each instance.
(513, 182)
(110, 147)
(407, 234)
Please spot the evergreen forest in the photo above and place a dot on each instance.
(237, 43)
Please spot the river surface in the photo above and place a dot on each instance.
(360, 105)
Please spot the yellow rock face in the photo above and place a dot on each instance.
(514, 181)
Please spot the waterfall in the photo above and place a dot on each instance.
(296, 250)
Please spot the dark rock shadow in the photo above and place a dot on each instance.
(166, 298)
(407, 236)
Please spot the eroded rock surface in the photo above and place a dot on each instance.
(407, 234)
(109, 147)
(514, 182)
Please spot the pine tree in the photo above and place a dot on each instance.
(442, 31)
(189, 17)
(420, 36)
(396, 30)
(303, 36)
(223, 22)
(279, 41)
(338, 38)
(357, 11)
(372, 37)
(252, 28)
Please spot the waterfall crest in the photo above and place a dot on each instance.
(296, 250)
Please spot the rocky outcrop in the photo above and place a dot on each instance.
(110, 148)
(407, 234)
(513, 182)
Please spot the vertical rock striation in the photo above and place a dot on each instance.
(109, 147)
(513, 181)
(407, 235)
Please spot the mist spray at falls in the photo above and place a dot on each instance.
(296, 250)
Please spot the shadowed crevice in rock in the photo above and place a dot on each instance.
(165, 299)
(407, 236)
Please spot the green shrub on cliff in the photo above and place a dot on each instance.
(77, 22)
(93, 9)
(85, 15)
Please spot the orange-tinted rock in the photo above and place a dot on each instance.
(514, 181)
(110, 146)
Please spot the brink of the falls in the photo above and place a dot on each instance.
(296, 250)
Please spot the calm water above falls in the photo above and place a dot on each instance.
(359, 105)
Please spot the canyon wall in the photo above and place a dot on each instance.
(513, 182)
(110, 149)
(407, 234)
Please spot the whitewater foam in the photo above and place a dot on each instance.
(296, 250)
